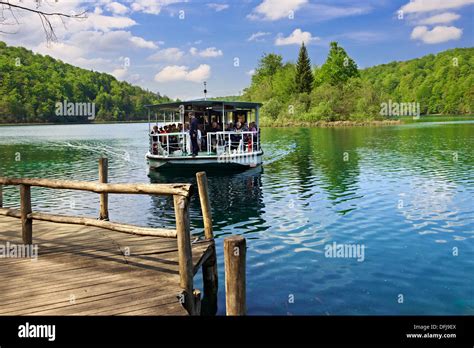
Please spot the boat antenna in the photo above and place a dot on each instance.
(205, 90)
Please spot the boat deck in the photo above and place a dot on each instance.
(83, 270)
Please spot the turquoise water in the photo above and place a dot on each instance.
(404, 194)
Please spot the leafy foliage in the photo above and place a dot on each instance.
(32, 84)
(442, 84)
(339, 67)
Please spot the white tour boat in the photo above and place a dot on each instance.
(228, 137)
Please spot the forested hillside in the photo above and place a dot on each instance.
(442, 83)
(338, 90)
(32, 84)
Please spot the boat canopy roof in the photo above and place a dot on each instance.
(205, 103)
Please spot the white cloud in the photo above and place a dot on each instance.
(415, 6)
(98, 21)
(107, 41)
(172, 54)
(272, 10)
(437, 35)
(218, 7)
(182, 73)
(71, 54)
(117, 8)
(140, 42)
(443, 18)
(124, 74)
(295, 38)
(152, 6)
(209, 52)
(258, 36)
(250, 72)
(120, 73)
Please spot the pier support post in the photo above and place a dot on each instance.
(186, 273)
(209, 268)
(104, 197)
(235, 289)
(211, 284)
(25, 209)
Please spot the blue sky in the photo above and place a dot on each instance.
(172, 46)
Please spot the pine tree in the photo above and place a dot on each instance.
(304, 75)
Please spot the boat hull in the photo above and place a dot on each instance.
(223, 162)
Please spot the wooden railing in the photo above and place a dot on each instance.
(181, 195)
(234, 247)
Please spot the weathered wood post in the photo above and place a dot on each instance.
(209, 268)
(25, 209)
(185, 257)
(104, 197)
(205, 204)
(234, 258)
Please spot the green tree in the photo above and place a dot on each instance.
(268, 66)
(304, 75)
(338, 68)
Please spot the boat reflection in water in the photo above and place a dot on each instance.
(236, 200)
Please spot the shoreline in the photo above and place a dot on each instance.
(63, 124)
(330, 124)
(266, 123)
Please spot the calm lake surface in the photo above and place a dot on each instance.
(404, 193)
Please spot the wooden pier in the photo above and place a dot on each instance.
(84, 270)
(87, 266)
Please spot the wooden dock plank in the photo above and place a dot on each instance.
(107, 272)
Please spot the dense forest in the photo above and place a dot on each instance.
(338, 90)
(32, 84)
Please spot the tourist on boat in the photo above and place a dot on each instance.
(193, 132)
(173, 139)
(213, 138)
(230, 127)
(154, 140)
(235, 138)
(200, 132)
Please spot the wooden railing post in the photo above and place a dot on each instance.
(104, 197)
(234, 259)
(25, 209)
(205, 204)
(209, 267)
(185, 257)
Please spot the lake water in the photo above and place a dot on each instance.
(402, 194)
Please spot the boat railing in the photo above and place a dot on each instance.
(220, 143)
(233, 142)
(165, 144)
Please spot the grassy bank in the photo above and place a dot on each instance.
(298, 122)
(281, 122)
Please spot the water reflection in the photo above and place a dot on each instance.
(237, 199)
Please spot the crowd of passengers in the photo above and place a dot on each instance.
(198, 135)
